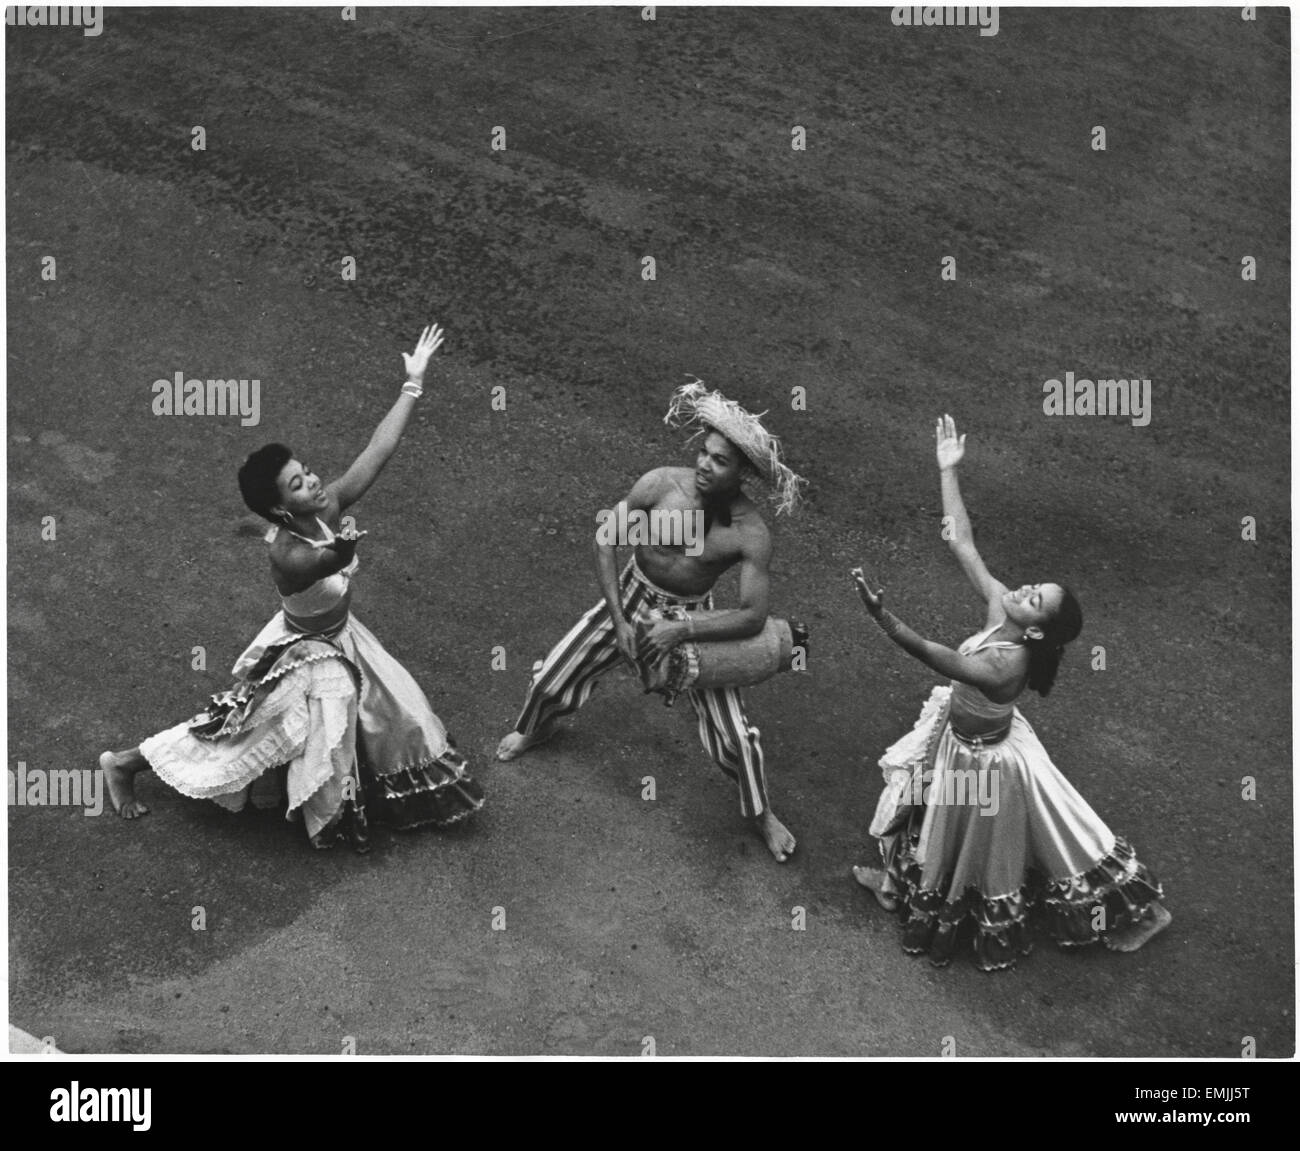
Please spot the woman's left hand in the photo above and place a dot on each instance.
(418, 360)
(874, 601)
(949, 447)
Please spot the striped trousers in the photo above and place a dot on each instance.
(563, 682)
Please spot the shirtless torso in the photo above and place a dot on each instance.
(734, 535)
(744, 536)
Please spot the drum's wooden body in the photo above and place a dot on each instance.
(741, 662)
(721, 663)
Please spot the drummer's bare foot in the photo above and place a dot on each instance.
(1136, 934)
(874, 880)
(776, 835)
(119, 768)
(516, 743)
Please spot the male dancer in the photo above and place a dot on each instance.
(735, 448)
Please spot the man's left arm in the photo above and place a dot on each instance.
(738, 623)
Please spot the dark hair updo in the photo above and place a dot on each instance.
(257, 478)
(1045, 654)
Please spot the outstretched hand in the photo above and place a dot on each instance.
(874, 600)
(949, 448)
(418, 360)
(346, 540)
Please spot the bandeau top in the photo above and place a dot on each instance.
(324, 604)
(969, 701)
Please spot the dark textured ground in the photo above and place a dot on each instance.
(628, 138)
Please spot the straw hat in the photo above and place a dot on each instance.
(693, 404)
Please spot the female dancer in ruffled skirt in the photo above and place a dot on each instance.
(978, 830)
(316, 694)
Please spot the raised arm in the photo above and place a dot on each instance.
(365, 469)
(949, 449)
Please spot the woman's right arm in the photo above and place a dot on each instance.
(992, 677)
(949, 449)
(298, 566)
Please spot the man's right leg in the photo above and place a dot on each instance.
(563, 681)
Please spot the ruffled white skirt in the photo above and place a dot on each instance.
(344, 720)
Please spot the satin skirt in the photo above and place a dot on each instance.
(985, 842)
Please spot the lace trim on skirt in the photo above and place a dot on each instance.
(1075, 911)
(437, 792)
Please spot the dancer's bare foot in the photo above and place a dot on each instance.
(776, 835)
(874, 879)
(119, 773)
(516, 743)
(1136, 934)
